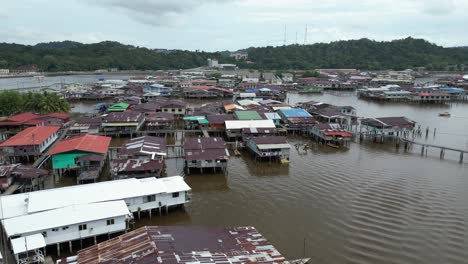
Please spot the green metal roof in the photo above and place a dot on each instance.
(248, 115)
(203, 121)
(118, 107)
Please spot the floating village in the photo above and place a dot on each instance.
(202, 116)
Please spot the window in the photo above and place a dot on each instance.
(173, 110)
(44, 234)
(150, 198)
(82, 227)
(55, 229)
(110, 222)
(65, 228)
(175, 195)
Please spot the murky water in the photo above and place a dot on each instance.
(371, 203)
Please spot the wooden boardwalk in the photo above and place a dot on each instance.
(425, 147)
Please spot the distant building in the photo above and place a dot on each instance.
(27, 69)
(269, 147)
(212, 63)
(4, 72)
(239, 55)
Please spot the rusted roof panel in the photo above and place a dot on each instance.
(183, 244)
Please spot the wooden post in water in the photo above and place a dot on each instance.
(422, 150)
(442, 153)
(461, 157)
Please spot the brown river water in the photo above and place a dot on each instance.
(371, 203)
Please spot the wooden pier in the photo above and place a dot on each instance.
(425, 147)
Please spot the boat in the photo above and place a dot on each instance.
(447, 114)
(333, 145)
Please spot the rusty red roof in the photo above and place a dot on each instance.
(58, 115)
(183, 244)
(86, 143)
(30, 136)
(23, 117)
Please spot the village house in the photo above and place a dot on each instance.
(94, 210)
(87, 125)
(296, 118)
(158, 88)
(29, 144)
(55, 119)
(183, 244)
(158, 121)
(176, 107)
(79, 154)
(139, 158)
(388, 126)
(65, 224)
(203, 92)
(330, 133)
(234, 127)
(14, 124)
(124, 123)
(269, 148)
(205, 153)
(217, 122)
(343, 115)
(195, 122)
(27, 178)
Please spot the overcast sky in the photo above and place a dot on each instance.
(231, 24)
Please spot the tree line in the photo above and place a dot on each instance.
(12, 102)
(362, 54)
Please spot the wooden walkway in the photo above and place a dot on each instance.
(425, 147)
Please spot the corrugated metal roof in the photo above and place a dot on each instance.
(86, 143)
(184, 244)
(23, 117)
(295, 112)
(248, 115)
(30, 136)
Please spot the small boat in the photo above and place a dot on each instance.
(447, 114)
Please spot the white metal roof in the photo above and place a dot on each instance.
(272, 116)
(13, 205)
(74, 214)
(273, 146)
(239, 124)
(175, 184)
(22, 204)
(27, 243)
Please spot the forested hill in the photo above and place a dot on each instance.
(362, 54)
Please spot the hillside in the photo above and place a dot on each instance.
(362, 54)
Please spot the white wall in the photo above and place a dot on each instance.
(48, 142)
(162, 200)
(94, 228)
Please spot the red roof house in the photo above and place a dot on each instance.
(31, 141)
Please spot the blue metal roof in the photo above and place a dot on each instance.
(452, 90)
(295, 112)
